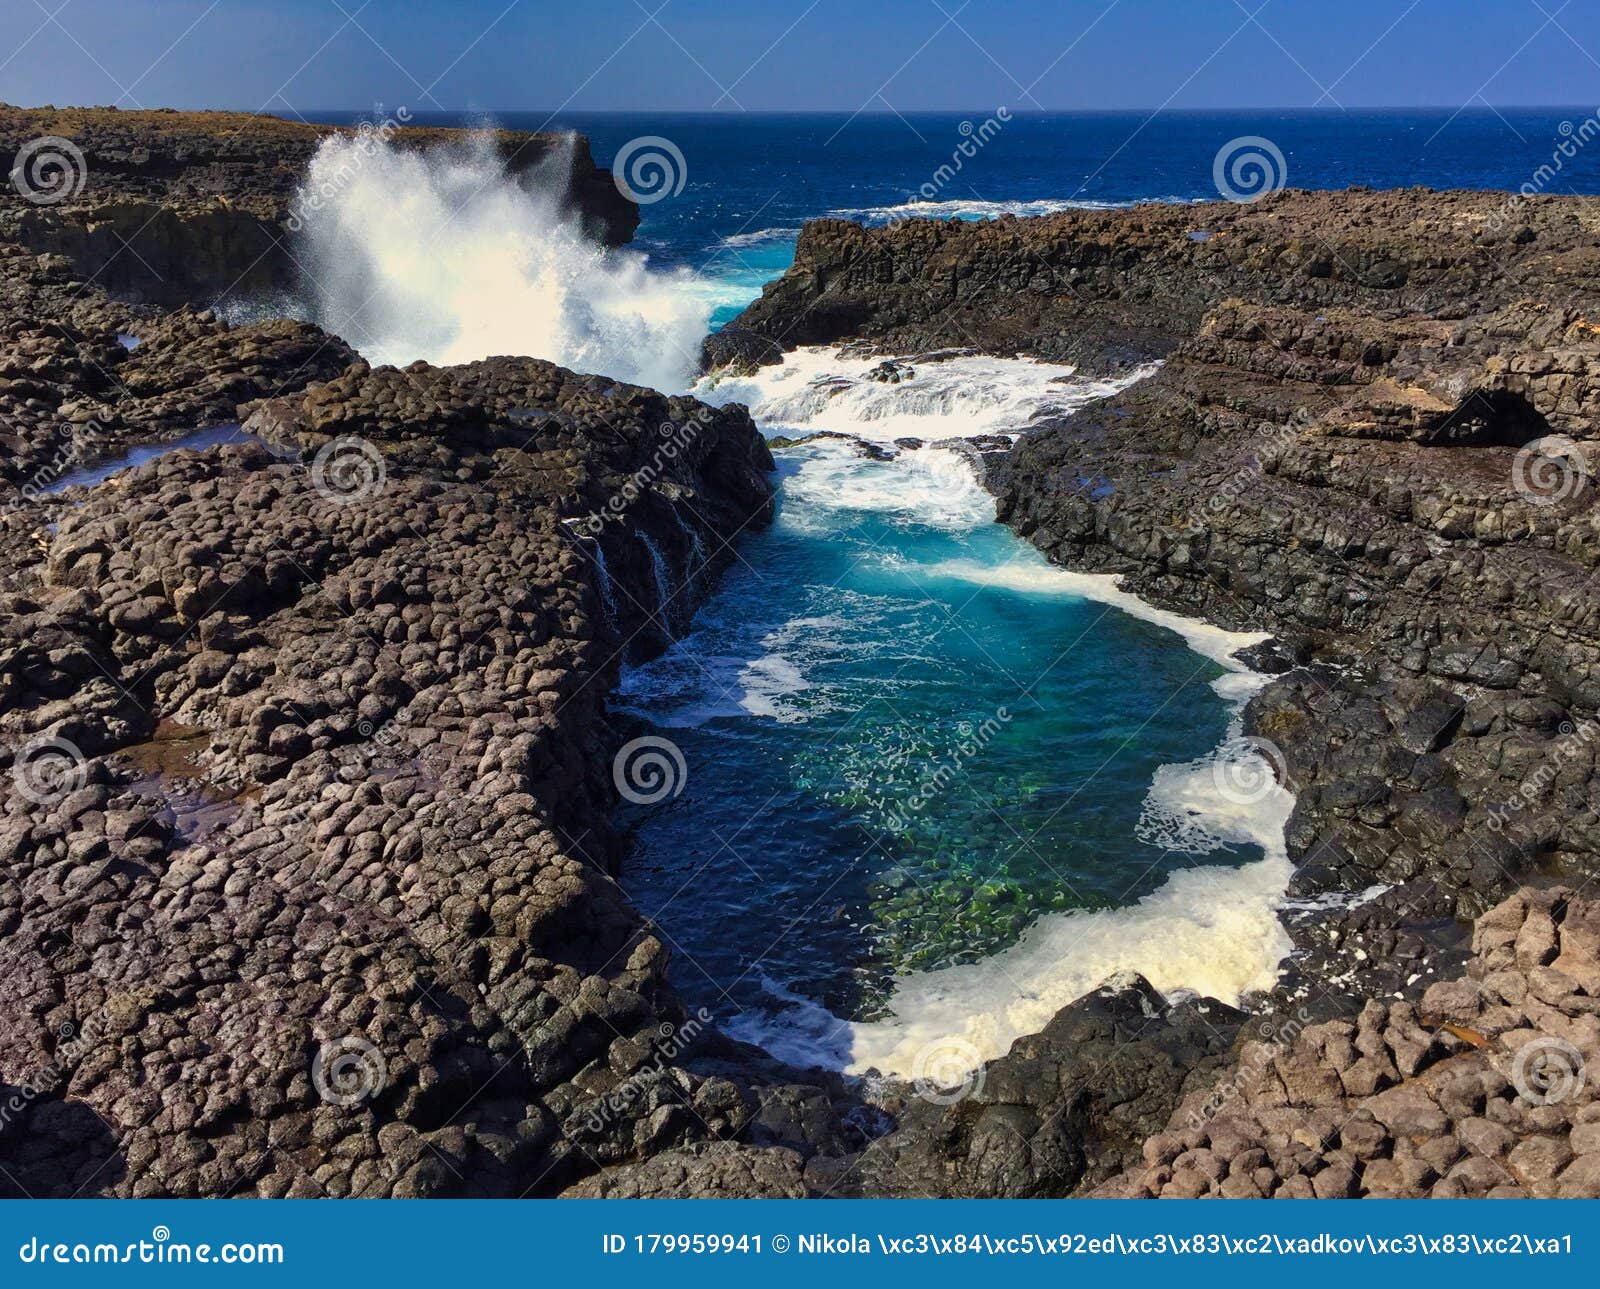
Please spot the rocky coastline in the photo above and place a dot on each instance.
(308, 870)
(1369, 434)
(188, 207)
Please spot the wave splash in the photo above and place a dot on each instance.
(934, 396)
(449, 257)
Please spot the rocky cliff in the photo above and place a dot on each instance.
(308, 767)
(308, 771)
(180, 208)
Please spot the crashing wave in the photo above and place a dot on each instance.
(449, 257)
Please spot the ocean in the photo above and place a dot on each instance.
(930, 787)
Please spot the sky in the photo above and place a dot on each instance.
(285, 56)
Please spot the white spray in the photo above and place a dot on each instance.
(448, 257)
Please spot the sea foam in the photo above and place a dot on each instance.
(1209, 929)
(964, 396)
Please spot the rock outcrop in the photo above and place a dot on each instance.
(186, 207)
(307, 777)
(1108, 288)
(1481, 1088)
(83, 377)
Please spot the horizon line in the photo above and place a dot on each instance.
(1330, 109)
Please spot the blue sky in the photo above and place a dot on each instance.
(905, 55)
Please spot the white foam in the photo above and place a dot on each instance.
(698, 679)
(1211, 929)
(801, 1032)
(448, 257)
(766, 681)
(960, 208)
(1208, 929)
(817, 388)
(760, 237)
(934, 486)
